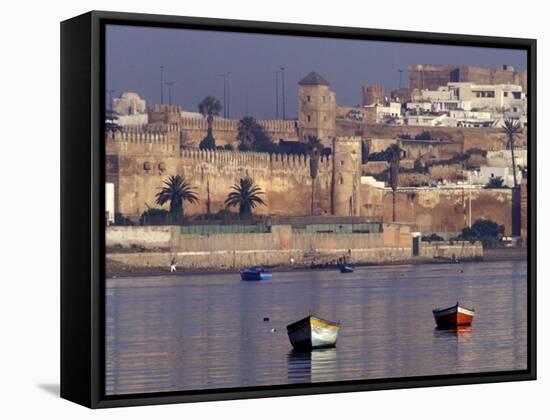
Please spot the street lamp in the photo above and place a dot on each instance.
(277, 93)
(161, 84)
(225, 94)
(169, 84)
(283, 80)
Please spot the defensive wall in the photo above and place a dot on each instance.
(440, 210)
(138, 164)
(194, 129)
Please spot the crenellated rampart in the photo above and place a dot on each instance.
(132, 143)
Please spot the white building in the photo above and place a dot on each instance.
(129, 103)
(428, 120)
(501, 97)
(485, 173)
(391, 110)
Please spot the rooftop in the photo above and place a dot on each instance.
(314, 78)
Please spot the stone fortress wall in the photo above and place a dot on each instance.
(192, 130)
(139, 163)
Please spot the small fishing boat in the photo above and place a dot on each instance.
(313, 333)
(344, 268)
(255, 274)
(454, 316)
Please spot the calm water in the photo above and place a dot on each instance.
(207, 331)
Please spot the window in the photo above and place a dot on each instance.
(341, 180)
(324, 118)
(341, 163)
(308, 98)
(505, 94)
(484, 93)
(324, 99)
(517, 95)
(309, 118)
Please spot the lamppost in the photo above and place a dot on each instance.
(283, 80)
(277, 93)
(161, 84)
(225, 94)
(228, 93)
(400, 75)
(169, 84)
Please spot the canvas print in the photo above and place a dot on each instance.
(286, 210)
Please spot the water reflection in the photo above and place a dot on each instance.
(208, 331)
(312, 366)
(453, 331)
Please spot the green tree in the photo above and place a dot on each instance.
(393, 157)
(245, 133)
(486, 231)
(252, 136)
(245, 195)
(154, 216)
(424, 135)
(208, 142)
(512, 128)
(176, 191)
(209, 107)
(495, 182)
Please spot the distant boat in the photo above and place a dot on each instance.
(255, 274)
(344, 268)
(453, 317)
(313, 333)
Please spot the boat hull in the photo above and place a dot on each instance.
(256, 276)
(455, 316)
(346, 269)
(313, 333)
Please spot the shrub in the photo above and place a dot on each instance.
(154, 216)
(486, 231)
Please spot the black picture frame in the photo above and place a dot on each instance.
(83, 198)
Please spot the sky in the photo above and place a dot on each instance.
(195, 61)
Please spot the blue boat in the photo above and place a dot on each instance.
(344, 268)
(255, 274)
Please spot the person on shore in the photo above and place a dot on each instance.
(173, 265)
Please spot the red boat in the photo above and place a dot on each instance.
(453, 317)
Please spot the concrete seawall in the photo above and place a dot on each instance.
(280, 247)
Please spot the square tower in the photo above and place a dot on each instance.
(316, 108)
(346, 176)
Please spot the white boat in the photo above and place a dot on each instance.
(313, 333)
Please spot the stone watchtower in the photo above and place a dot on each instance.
(316, 109)
(372, 94)
(346, 176)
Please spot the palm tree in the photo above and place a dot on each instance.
(246, 195)
(393, 154)
(209, 107)
(245, 133)
(512, 128)
(176, 190)
(314, 147)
